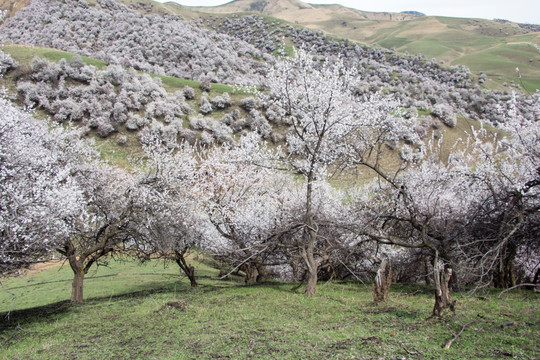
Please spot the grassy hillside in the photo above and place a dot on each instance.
(25, 53)
(148, 311)
(482, 45)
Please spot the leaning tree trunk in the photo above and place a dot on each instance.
(383, 281)
(189, 270)
(441, 277)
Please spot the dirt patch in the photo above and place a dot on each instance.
(40, 267)
(37, 268)
(175, 305)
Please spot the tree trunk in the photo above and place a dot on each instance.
(191, 276)
(77, 287)
(189, 270)
(383, 281)
(312, 264)
(441, 277)
(263, 275)
(311, 282)
(77, 265)
(251, 273)
(310, 235)
(426, 272)
(308, 254)
(504, 275)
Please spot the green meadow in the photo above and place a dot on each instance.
(149, 311)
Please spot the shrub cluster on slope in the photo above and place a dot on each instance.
(414, 80)
(104, 100)
(112, 32)
(113, 99)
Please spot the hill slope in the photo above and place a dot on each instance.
(235, 50)
(493, 47)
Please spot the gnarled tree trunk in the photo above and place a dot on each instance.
(383, 281)
(77, 265)
(81, 261)
(312, 265)
(77, 286)
(442, 274)
(252, 273)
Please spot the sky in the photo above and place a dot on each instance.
(522, 11)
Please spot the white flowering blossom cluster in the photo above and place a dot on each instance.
(39, 199)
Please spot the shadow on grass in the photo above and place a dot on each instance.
(33, 284)
(16, 319)
(90, 277)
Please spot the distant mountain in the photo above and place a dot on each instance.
(412, 12)
(301, 12)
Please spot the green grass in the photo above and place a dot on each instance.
(24, 54)
(119, 155)
(503, 60)
(428, 47)
(150, 312)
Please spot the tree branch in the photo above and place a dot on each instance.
(456, 336)
(512, 288)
